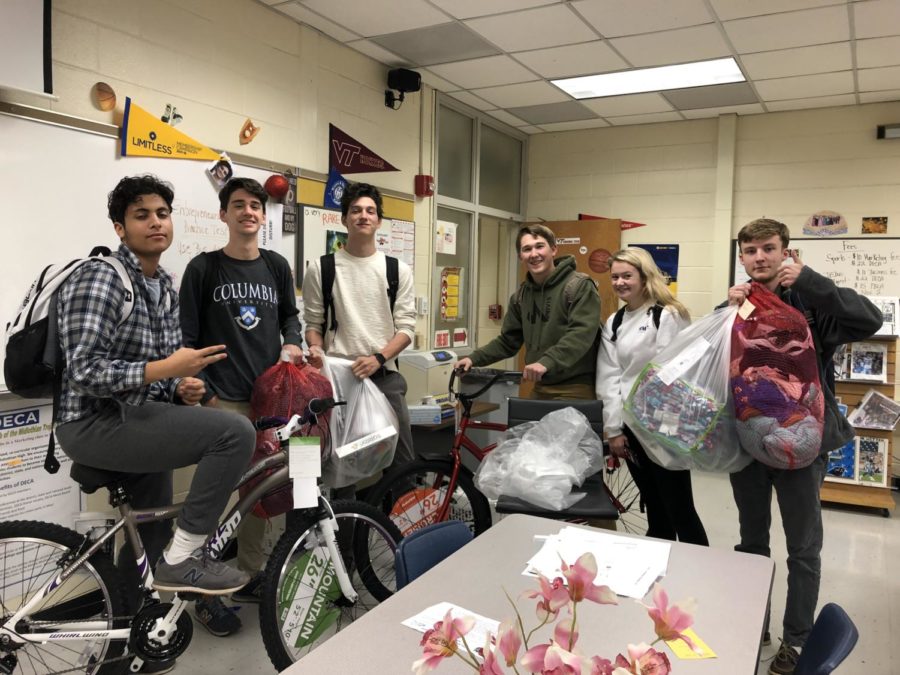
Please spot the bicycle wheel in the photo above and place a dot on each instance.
(413, 493)
(29, 554)
(302, 604)
(625, 496)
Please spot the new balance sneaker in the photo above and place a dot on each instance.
(198, 573)
(252, 592)
(216, 617)
(785, 660)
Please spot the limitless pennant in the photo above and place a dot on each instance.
(144, 135)
(348, 155)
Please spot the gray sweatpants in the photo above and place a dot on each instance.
(155, 438)
(393, 385)
(801, 516)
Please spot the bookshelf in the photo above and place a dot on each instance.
(851, 393)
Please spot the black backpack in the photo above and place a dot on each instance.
(327, 265)
(655, 311)
(34, 363)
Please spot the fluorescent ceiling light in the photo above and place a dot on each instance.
(681, 76)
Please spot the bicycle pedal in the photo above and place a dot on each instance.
(190, 597)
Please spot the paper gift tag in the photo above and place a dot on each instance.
(304, 468)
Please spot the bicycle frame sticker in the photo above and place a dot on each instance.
(305, 605)
(416, 509)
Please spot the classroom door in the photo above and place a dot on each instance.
(591, 242)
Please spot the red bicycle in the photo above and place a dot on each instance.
(427, 491)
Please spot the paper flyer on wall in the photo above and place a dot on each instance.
(27, 491)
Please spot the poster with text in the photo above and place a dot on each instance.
(666, 258)
(27, 491)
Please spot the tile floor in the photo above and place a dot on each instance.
(860, 571)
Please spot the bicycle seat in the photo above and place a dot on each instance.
(92, 479)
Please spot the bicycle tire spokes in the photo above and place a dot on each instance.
(625, 496)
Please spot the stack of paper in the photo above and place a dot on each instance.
(628, 565)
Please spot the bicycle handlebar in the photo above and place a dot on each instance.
(494, 374)
(315, 407)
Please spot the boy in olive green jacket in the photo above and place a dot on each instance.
(555, 313)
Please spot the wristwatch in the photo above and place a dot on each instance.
(380, 358)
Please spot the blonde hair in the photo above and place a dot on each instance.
(655, 286)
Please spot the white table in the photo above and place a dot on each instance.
(731, 589)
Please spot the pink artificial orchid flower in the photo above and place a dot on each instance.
(580, 578)
(440, 641)
(490, 665)
(551, 659)
(509, 641)
(601, 666)
(670, 622)
(643, 660)
(553, 596)
(565, 633)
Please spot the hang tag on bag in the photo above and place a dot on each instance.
(304, 469)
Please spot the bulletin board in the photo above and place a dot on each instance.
(55, 184)
(323, 232)
(869, 265)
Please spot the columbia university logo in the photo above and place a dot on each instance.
(247, 319)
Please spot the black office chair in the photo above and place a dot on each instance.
(831, 640)
(596, 505)
(425, 548)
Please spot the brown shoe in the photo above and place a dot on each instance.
(785, 660)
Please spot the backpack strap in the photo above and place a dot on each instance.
(327, 267)
(393, 279)
(655, 311)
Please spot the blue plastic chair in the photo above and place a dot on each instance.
(831, 640)
(425, 548)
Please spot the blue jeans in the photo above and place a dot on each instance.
(797, 491)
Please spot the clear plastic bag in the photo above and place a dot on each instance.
(679, 407)
(363, 432)
(540, 462)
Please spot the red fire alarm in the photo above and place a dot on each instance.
(424, 186)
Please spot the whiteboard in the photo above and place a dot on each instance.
(869, 265)
(322, 228)
(54, 187)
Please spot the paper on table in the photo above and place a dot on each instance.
(476, 638)
(628, 566)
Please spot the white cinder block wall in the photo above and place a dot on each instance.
(786, 165)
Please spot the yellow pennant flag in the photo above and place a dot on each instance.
(147, 136)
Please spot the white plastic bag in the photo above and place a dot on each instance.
(680, 406)
(363, 432)
(540, 462)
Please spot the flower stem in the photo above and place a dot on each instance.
(469, 650)
(471, 663)
(574, 624)
(519, 621)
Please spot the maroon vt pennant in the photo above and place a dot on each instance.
(348, 155)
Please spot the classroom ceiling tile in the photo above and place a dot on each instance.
(586, 58)
(738, 9)
(567, 111)
(698, 43)
(379, 53)
(485, 72)
(549, 26)
(615, 18)
(876, 52)
(879, 96)
(798, 61)
(805, 86)
(691, 98)
(310, 18)
(572, 126)
(472, 100)
(433, 80)
(644, 119)
(437, 44)
(507, 118)
(526, 93)
(530, 130)
(632, 104)
(879, 79)
(748, 109)
(790, 29)
(469, 9)
(378, 17)
(876, 18)
(814, 102)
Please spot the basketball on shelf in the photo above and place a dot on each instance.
(599, 260)
(277, 186)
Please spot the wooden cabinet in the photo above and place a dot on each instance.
(851, 393)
